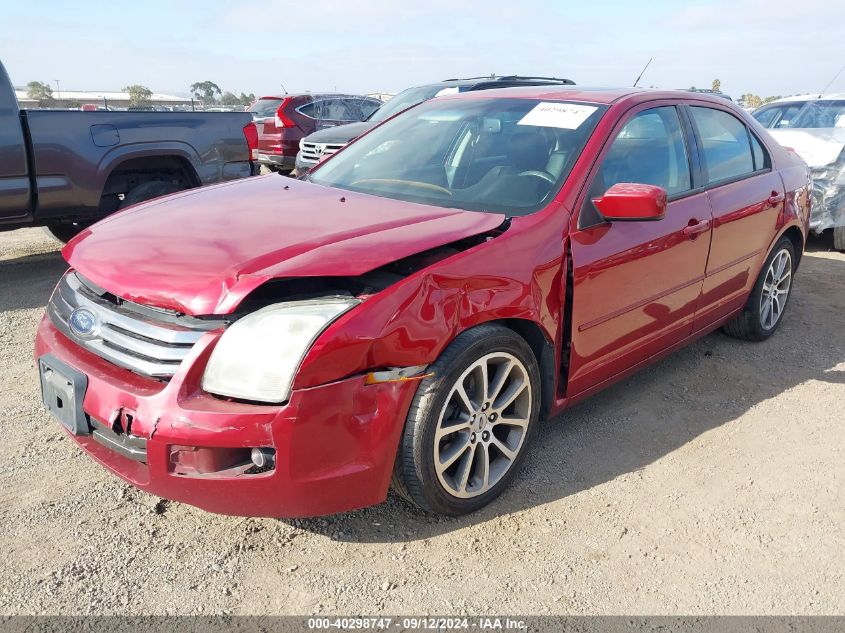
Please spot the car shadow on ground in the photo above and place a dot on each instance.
(646, 417)
(27, 281)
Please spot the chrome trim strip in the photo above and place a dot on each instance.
(128, 334)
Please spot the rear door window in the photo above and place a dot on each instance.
(725, 144)
(329, 109)
(335, 110)
(360, 109)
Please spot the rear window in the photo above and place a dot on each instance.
(265, 107)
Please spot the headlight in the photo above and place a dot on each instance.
(258, 355)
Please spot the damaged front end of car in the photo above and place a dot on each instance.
(828, 209)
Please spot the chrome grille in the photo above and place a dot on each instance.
(312, 152)
(148, 341)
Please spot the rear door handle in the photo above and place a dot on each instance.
(776, 198)
(695, 227)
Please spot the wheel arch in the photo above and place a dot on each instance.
(797, 238)
(544, 353)
(133, 170)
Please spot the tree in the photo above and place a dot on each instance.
(717, 85)
(138, 95)
(205, 91)
(749, 100)
(40, 92)
(246, 99)
(772, 98)
(229, 99)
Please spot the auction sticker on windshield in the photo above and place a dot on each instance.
(568, 116)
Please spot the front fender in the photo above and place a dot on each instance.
(517, 275)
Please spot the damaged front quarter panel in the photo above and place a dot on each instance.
(410, 322)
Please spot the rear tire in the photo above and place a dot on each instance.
(65, 232)
(839, 238)
(149, 190)
(765, 308)
(462, 444)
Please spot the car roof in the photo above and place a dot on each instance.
(498, 79)
(604, 96)
(493, 81)
(315, 95)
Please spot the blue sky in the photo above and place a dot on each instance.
(765, 47)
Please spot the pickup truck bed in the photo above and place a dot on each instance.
(66, 169)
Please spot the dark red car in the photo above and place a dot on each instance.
(474, 265)
(285, 120)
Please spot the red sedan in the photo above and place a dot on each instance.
(407, 316)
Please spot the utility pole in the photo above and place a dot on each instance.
(58, 89)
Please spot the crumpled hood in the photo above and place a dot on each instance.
(202, 251)
(817, 146)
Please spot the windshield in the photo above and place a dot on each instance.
(818, 114)
(406, 99)
(499, 155)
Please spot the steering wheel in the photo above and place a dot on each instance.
(397, 181)
(538, 173)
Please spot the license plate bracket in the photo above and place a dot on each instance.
(62, 392)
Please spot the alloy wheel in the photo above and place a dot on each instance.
(483, 425)
(775, 289)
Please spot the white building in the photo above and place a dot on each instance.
(75, 98)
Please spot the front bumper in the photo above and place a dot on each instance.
(303, 166)
(335, 444)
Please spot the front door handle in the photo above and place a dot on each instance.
(776, 198)
(695, 227)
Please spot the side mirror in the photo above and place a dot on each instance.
(632, 202)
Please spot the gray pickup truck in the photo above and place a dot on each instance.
(65, 170)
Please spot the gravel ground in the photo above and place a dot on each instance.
(709, 483)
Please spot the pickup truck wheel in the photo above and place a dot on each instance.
(150, 190)
(470, 422)
(764, 311)
(839, 238)
(65, 232)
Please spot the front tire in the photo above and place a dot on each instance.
(766, 305)
(470, 422)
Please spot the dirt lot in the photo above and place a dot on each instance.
(710, 483)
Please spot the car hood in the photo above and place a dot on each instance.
(202, 251)
(340, 133)
(817, 146)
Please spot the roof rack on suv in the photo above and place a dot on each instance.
(568, 82)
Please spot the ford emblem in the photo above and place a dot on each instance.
(83, 323)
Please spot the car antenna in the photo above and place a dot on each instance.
(830, 82)
(283, 87)
(642, 72)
